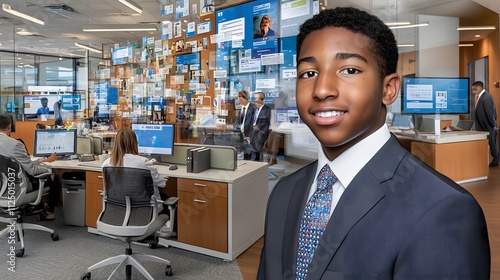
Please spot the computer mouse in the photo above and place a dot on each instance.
(173, 167)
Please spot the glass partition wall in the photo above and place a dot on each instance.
(199, 92)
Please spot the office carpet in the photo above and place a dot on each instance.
(77, 249)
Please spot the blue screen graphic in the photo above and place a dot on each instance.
(155, 139)
(435, 95)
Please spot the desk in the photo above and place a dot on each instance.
(463, 156)
(220, 213)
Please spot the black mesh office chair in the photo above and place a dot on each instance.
(17, 201)
(130, 213)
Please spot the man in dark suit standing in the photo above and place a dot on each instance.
(244, 122)
(485, 117)
(261, 125)
(367, 208)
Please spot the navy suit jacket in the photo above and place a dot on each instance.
(485, 114)
(398, 219)
(262, 124)
(248, 125)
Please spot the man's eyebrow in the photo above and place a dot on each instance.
(344, 56)
(309, 59)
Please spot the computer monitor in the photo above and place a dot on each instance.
(155, 139)
(401, 121)
(49, 141)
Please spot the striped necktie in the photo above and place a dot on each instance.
(314, 220)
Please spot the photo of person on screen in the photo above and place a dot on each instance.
(264, 27)
(44, 110)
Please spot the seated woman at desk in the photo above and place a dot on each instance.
(125, 153)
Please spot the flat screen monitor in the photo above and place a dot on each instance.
(33, 104)
(435, 95)
(49, 141)
(155, 139)
(400, 121)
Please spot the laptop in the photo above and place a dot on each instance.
(463, 125)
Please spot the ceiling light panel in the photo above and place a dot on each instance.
(9, 10)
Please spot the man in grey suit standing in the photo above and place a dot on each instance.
(485, 117)
(15, 149)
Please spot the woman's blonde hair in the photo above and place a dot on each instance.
(125, 143)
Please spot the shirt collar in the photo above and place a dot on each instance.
(349, 163)
(481, 93)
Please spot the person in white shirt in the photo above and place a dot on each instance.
(244, 121)
(125, 153)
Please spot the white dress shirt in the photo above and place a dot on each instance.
(349, 163)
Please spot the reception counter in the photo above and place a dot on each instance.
(463, 156)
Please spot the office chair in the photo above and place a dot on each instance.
(18, 202)
(270, 151)
(84, 145)
(98, 145)
(209, 138)
(130, 213)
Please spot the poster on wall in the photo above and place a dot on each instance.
(181, 8)
(206, 7)
(177, 29)
(258, 30)
(295, 12)
(191, 31)
(166, 7)
(166, 30)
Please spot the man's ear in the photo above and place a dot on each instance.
(390, 88)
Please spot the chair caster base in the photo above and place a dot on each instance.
(86, 276)
(168, 271)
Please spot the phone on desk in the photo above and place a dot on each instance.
(86, 157)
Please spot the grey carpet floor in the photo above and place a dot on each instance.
(77, 249)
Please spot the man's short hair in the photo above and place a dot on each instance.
(5, 120)
(262, 95)
(243, 93)
(478, 84)
(382, 41)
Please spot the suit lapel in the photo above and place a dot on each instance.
(358, 199)
(295, 209)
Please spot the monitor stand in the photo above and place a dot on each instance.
(157, 160)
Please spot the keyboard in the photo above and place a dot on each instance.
(456, 128)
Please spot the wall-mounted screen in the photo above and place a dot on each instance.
(252, 28)
(155, 139)
(435, 95)
(35, 105)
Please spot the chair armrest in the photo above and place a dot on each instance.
(43, 175)
(171, 201)
(42, 178)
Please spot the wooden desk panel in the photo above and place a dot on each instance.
(460, 161)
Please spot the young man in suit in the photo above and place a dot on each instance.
(261, 125)
(15, 149)
(244, 120)
(485, 118)
(375, 211)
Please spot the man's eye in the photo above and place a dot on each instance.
(350, 71)
(308, 74)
